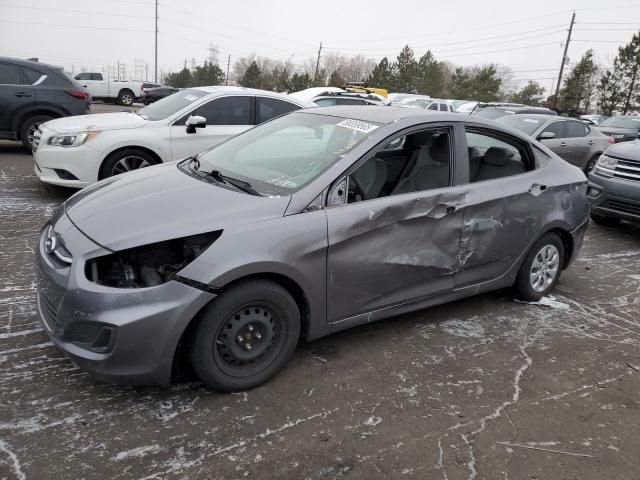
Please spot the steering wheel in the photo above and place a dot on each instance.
(359, 191)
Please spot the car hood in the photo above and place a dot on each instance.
(96, 122)
(617, 130)
(625, 150)
(160, 203)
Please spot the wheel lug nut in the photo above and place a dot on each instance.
(248, 346)
(250, 327)
(258, 335)
(239, 338)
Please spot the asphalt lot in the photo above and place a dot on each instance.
(483, 388)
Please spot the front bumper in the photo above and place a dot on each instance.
(614, 197)
(124, 336)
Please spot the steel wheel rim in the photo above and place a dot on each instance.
(129, 163)
(544, 268)
(248, 340)
(126, 99)
(31, 133)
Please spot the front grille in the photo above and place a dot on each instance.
(621, 206)
(36, 139)
(49, 311)
(627, 169)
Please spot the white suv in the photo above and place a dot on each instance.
(77, 151)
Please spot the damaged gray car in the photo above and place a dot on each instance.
(317, 221)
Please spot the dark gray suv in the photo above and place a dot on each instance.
(32, 93)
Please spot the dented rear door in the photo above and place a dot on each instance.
(392, 250)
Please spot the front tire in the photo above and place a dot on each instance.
(126, 98)
(590, 165)
(30, 127)
(245, 336)
(541, 268)
(126, 160)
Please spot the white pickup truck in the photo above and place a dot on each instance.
(100, 88)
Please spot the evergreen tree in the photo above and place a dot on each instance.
(299, 82)
(407, 70)
(182, 79)
(207, 74)
(336, 80)
(477, 83)
(461, 84)
(580, 85)
(383, 76)
(430, 76)
(252, 78)
(629, 58)
(531, 94)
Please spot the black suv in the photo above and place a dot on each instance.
(32, 93)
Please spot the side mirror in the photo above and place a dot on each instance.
(338, 194)
(546, 136)
(195, 121)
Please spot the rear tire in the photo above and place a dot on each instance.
(604, 220)
(245, 336)
(541, 268)
(126, 98)
(29, 128)
(126, 160)
(590, 164)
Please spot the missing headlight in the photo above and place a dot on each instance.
(148, 265)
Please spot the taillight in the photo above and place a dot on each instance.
(78, 94)
(142, 87)
(611, 140)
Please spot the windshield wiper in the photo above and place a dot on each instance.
(239, 184)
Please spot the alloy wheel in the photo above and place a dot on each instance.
(544, 268)
(31, 133)
(128, 163)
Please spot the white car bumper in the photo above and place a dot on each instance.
(74, 167)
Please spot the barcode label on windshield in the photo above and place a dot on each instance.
(357, 125)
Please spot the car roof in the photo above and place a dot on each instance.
(233, 90)
(28, 63)
(385, 115)
(540, 116)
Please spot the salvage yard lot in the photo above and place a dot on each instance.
(481, 388)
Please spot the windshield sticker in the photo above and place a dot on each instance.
(191, 98)
(531, 120)
(357, 125)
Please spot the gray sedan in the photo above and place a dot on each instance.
(572, 140)
(317, 221)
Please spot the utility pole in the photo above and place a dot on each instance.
(564, 59)
(118, 79)
(226, 79)
(318, 62)
(155, 76)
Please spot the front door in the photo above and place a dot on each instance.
(15, 93)
(226, 118)
(396, 239)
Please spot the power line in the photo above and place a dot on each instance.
(76, 26)
(66, 10)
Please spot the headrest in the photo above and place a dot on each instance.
(420, 139)
(440, 149)
(496, 156)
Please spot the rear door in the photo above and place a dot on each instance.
(578, 143)
(505, 200)
(558, 143)
(226, 117)
(393, 245)
(16, 93)
(268, 108)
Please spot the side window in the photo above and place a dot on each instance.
(443, 107)
(325, 102)
(269, 108)
(95, 76)
(226, 111)
(426, 165)
(10, 75)
(83, 76)
(433, 106)
(349, 101)
(32, 75)
(494, 157)
(557, 128)
(576, 129)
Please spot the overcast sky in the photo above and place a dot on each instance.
(526, 36)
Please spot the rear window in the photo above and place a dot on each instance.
(576, 129)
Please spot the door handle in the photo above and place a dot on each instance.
(450, 208)
(591, 142)
(23, 94)
(563, 144)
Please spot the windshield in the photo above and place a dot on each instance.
(281, 156)
(169, 105)
(621, 122)
(523, 123)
